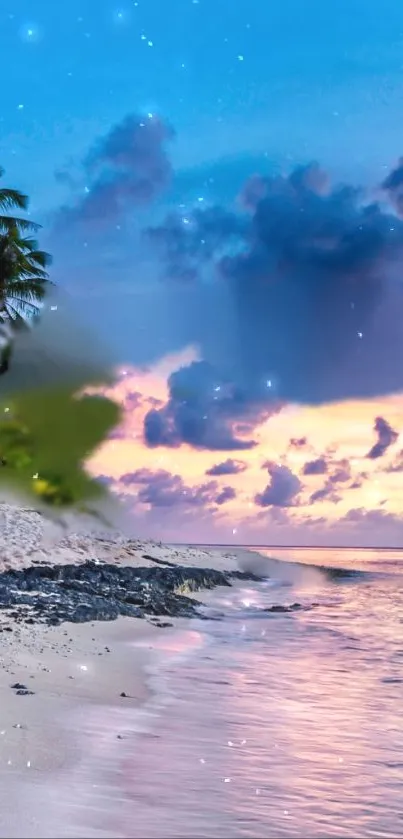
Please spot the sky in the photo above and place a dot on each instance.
(220, 185)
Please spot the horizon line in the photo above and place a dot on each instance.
(291, 547)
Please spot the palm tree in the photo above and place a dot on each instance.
(23, 275)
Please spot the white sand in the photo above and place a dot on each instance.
(69, 668)
(75, 672)
(28, 536)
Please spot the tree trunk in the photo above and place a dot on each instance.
(6, 346)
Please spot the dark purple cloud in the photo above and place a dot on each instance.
(393, 186)
(298, 442)
(360, 515)
(226, 494)
(326, 492)
(227, 467)
(315, 467)
(204, 411)
(386, 437)
(106, 480)
(357, 482)
(126, 168)
(342, 472)
(132, 400)
(282, 490)
(313, 303)
(252, 192)
(163, 489)
(190, 241)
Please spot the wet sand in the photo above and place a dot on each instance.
(60, 726)
(63, 742)
(71, 670)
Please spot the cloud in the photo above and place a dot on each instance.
(105, 480)
(397, 464)
(133, 399)
(227, 467)
(342, 472)
(358, 482)
(189, 241)
(282, 490)
(340, 475)
(313, 308)
(126, 168)
(386, 437)
(359, 515)
(226, 494)
(204, 411)
(393, 186)
(163, 489)
(315, 467)
(298, 442)
(327, 492)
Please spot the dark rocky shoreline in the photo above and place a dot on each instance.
(95, 591)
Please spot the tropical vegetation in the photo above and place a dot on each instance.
(46, 432)
(24, 277)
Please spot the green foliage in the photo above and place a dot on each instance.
(23, 266)
(47, 431)
(45, 437)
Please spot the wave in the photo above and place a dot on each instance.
(302, 574)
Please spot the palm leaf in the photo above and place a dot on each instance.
(11, 198)
(29, 244)
(7, 223)
(31, 294)
(24, 279)
(40, 257)
(21, 317)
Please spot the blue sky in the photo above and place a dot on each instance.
(293, 79)
(248, 87)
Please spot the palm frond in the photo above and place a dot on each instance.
(28, 244)
(21, 319)
(24, 280)
(7, 223)
(28, 292)
(11, 198)
(40, 257)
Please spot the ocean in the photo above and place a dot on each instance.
(276, 723)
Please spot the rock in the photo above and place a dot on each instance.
(163, 562)
(294, 607)
(98, 591)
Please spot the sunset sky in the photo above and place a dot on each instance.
(196, 164)
(314, 476)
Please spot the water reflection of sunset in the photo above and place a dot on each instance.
(318, 705)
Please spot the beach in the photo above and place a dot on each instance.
(58, 676)
(223, 692)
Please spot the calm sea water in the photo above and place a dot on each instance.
(280, 724)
